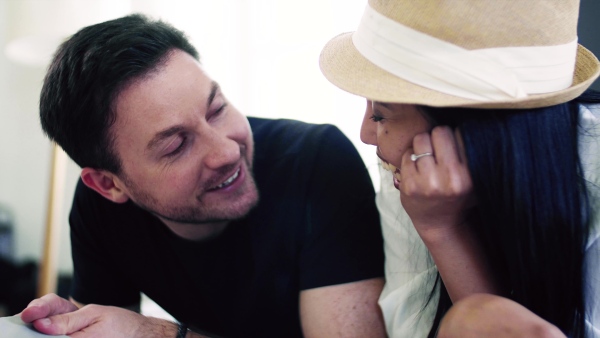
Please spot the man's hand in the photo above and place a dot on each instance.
(484, 315)
(57, 316)
(47, 306)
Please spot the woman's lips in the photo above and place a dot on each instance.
(396, 183)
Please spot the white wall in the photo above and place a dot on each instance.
(264, 53)
(23, 149)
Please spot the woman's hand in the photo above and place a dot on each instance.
(436, 191)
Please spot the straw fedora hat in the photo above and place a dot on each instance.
(470, 53)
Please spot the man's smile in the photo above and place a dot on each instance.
(228, 181)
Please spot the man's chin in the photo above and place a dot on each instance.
(222, 212)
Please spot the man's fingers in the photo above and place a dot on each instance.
(64, 324)
(48, 305)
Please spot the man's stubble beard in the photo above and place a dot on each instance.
(245, 199)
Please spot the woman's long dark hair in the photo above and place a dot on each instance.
(532, 217)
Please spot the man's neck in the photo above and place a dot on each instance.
(195, 232)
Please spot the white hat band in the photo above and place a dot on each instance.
(491, 74)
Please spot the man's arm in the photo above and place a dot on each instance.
(341, 261)
(343, 310)
(135, 307)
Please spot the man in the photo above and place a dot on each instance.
(168, 202)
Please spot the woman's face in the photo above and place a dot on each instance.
(391, 127)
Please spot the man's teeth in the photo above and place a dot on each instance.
(229, 180)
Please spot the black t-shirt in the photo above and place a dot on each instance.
(316, 225)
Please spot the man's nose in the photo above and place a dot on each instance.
(222, 151)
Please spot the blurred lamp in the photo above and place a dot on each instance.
(35, 29)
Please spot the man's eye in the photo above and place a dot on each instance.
(178, 149)
(220, 109)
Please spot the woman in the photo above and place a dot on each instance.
(477, 109)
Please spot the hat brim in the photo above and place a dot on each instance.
(345, 67)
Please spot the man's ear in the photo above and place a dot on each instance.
(104, 183)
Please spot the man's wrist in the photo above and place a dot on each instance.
(182, 330)
(160, 328)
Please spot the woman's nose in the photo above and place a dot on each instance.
(368, 129)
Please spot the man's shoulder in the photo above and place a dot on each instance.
(289, 136)
(89, 205)
(274, 126)
(86, 195)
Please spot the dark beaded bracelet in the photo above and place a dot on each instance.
(182, 331)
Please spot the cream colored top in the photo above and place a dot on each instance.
(410, 272)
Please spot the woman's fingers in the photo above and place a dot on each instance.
(436, 189)
(415, 171)
(422, 145)
(461, 146)
(445, 145)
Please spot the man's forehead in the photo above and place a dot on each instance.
(179, 84)
(143, 124)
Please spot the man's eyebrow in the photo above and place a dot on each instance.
(163, 135)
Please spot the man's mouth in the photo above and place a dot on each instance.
(228, 181)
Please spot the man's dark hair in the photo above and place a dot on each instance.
(87, 74)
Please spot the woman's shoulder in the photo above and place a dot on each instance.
(589, 134)
(591, 108)
(589, 152)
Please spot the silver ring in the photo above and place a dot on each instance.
(415, 157)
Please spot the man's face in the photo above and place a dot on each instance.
(186, 153)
